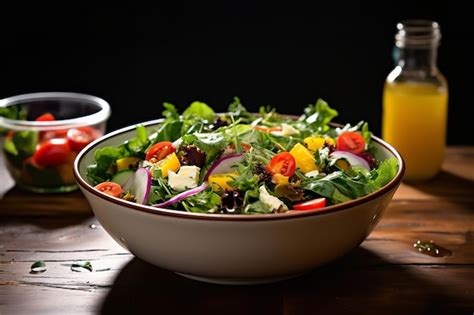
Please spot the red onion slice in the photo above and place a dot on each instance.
(139, 184)
(182, 196)
(224, 164)
(353, 159)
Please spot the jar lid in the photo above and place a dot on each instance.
(418, 34)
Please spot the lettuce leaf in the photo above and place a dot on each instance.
(380, 176)
(201, 110)
(316, 118)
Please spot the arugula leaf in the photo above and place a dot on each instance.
(364, 130)
(168, 131)
(138, 145)
(238, 110)
(317, 117)
(201, 110)
(170, 112)
(204, 202)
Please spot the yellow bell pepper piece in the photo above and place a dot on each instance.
(315, 143)
(169, 163)
(305, 160)
(221, 181)
(279, 179)
(124, 164)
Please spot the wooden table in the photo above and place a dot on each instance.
(385, 275)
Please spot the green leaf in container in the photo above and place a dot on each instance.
(38, 267)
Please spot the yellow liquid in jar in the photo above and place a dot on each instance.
(414, 122)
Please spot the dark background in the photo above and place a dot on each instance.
(282, 55)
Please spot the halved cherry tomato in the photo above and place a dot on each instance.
(159, 151)
(283, 163)
(46, 117)
(267, 129)
(80, 137)
(311, 204)
(52, 152)
(50, 134)
(110, 188)
(351, 141)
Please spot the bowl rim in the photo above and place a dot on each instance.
(292, 214)
(98, 117)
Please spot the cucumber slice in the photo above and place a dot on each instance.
(122, 176)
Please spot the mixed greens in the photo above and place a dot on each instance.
(243, 163)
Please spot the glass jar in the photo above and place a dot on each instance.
(415, 100)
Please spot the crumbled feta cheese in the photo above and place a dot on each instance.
(186, 178)
(312, 173)
(271, 201)
(286, 131)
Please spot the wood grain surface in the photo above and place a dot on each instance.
(385, 275)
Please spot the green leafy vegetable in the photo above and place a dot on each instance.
(205, 201)
(25, 142)
(200, 139)
(200, 110)
(168, 131)
(211, 143)
(16, 112)
(383, 174)
(238, 111)
(317, 117)
(38, 267)
(170, 112)
(258, 207)
(79, 266)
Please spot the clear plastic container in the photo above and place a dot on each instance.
(43, 132)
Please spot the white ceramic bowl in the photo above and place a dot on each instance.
(235, 249)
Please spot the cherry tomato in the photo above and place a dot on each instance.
(46, 117)
(283, 163)
(267, 129)
(159, 151)
(351, 141)
(80, 137)
(52, 134)
(110, 188)
(52, 152)
(311, 204)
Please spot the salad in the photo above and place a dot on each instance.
(43, 159)
(242, 163)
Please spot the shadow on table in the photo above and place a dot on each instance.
(447, 186)
(344, 287)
